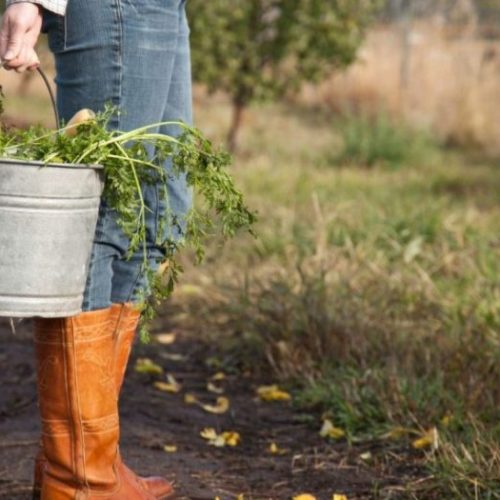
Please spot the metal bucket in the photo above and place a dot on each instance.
(48, 215)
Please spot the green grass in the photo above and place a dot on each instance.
(378, 140)
(373, 294)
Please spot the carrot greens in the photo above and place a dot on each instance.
(132, 160)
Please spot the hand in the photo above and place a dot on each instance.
(21, 25)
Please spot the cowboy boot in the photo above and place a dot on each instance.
(126, 317)
(124, 321)
(79, 410)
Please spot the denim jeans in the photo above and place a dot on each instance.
(134, 54)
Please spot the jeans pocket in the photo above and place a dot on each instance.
(55, 27)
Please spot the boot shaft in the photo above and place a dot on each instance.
(78, 399)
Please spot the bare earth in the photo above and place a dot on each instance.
(152, 419)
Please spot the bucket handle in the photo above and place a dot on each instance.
(51, 94)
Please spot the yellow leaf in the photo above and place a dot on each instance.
(272, 393)
(304, 496)
(240, 497)
(231, 438)
(171, 386)
(337, 496)
(190, 398)
(213, 388)
(275, 449)
(208, 433)
(218, 376)
(219, 441)
(170, 448)
(146, 365)
(398, 433)
(221, 407)
(446, 420)
(165, 338)
(329, 430)
(430, 439)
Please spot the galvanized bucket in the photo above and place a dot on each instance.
(48, 215)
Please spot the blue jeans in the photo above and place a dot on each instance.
(134, 54)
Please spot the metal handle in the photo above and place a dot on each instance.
(51, 94)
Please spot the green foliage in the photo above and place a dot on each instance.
(255, 49)
(128, 167)
(369, 141)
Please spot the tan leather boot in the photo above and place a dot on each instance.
(124, 319)
(79, 410)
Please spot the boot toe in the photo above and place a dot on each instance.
(159, 487)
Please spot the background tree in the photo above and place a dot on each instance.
(260, 49)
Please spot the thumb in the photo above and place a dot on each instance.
(14, 42)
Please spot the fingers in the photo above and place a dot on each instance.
(19, 32)
(27, 59)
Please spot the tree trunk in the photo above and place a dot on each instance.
(236, 121)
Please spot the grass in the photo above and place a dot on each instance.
(452, 81)
(373, 294)
(379, 140)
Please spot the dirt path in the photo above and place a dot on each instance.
(151, 419)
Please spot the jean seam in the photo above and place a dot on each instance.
(119, 54)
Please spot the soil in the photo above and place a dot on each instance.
(151, 419)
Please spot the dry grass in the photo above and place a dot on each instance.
(374, 291)
(452, 83)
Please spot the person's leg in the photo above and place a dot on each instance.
(123, 52)
(94, 66)
(129, 282)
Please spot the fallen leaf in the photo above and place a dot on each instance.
(146, 365)
(337, 496)
(190, 398)
(230, 438)
(218, 376)
(272, 393)
(208, 433)
(221, 406)
(275, 449)
(329, 430)
(213, 388)
(218, 441)
(367, 456)
(171, 386)
(165, 338)
(446, 420)
(398, 433)
(304, 496)
(170, 448)
(430, 439)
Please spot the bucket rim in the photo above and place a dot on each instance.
(39, 163)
